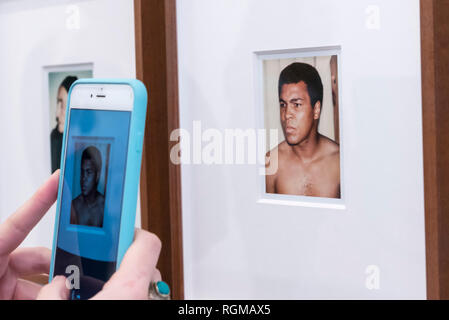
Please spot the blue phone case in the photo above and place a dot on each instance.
(133, 163)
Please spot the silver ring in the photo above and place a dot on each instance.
(159, 291)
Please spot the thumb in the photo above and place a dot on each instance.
(55, 290)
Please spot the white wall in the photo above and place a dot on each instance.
(34, 34)
(237, 247)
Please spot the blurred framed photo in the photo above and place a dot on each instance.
(59, 80)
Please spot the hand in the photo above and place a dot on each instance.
(130, 281)
(137, 270)
(15, 263)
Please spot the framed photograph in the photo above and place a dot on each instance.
(340, 210)
(298, 95)
(59, 80)
(91, 168)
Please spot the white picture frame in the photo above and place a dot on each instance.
(297, 200)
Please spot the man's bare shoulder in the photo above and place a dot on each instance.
(284, 147)
(77, 202)
(329, 148)
(281, 148)
(278, 152)
(101, 199)
(275, 158)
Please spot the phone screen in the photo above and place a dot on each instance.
(91, 200)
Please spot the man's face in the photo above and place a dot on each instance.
(60, 108)
(88, 177)
(297, 112)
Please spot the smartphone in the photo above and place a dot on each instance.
(98, 185)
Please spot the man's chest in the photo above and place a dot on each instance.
(90, 214)
(312, 180)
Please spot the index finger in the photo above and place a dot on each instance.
(15, 229)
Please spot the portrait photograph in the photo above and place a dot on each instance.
(59, 83)
(301, 101)
(90, 177)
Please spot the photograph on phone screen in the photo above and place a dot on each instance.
(301, 102)
(59, 83)
(89, 183)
